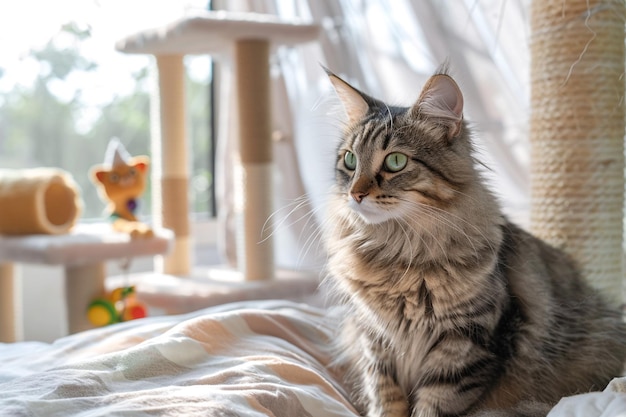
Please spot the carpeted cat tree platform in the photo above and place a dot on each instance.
(577, 134)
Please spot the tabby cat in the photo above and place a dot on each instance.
(451, 309)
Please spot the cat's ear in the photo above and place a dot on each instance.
(141, 166)
(140, 162)
(441, 100)
(353, 102)
(97, 173)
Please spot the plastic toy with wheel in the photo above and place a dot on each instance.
(118, 306)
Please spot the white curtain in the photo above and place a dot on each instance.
(388, 49)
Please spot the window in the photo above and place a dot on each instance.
(65, 91)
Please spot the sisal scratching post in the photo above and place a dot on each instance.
(256, 254)
(577, 133)
(174, 167)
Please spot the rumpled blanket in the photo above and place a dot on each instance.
(255, 358)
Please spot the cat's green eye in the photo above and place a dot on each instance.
(349, 160)
(395, 162)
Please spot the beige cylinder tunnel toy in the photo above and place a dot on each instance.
(38, 201)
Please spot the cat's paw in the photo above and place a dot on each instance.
(142, 233)
(395, 409)
(426, 412)
(136, 230)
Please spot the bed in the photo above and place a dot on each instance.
(253, 358)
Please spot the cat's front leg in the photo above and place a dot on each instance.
(452, 383)
(427, 411)
(384, 397)
(444, 400)
(380, 390)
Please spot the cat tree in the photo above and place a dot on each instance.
(249, 38)
(577, 133)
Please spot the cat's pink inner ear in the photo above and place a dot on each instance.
(100, 175)
(442, 99)
(355, 106)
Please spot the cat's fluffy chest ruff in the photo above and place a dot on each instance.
(424, 306)
(406, 291)
(398, 263)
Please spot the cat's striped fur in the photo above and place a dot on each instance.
(451, 309)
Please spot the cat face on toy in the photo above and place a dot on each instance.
(123, 181)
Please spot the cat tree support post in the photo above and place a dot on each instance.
(9, 328)
(577, 133)
(171, 169)
(82, 282)
(256, 253)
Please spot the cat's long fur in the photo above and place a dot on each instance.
(451, 310)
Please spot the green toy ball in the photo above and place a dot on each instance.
(102, 312)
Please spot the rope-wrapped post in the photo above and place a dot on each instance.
(577, 133)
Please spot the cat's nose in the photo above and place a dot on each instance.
(358, 196)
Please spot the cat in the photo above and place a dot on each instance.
(451, 309)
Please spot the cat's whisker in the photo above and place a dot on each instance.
(313, 238)
(444, 222)
(307, 221)
(390, 120)
(408, 241)
(484, 238)
(418, 210)
(295, 202)
(418, 235)
(296, 205)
